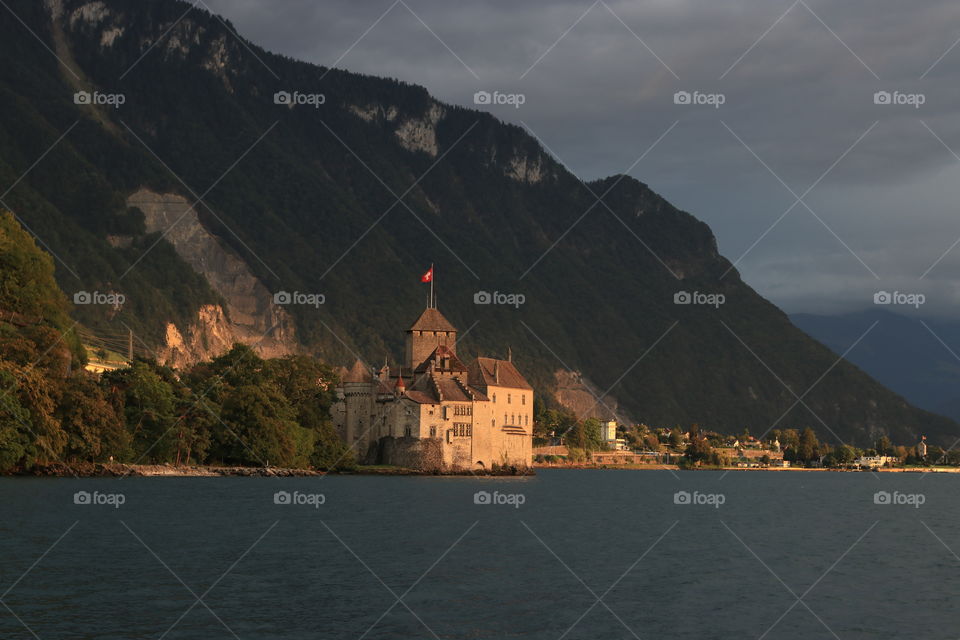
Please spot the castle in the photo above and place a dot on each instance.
(435, 412)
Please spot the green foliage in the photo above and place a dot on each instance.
(699, 449)
(95, 430)
(585, 435)
(148, 407)
(28, 286)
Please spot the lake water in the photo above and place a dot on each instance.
(588, 554)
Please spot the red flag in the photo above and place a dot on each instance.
(428, 276)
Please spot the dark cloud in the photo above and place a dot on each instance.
(799, 99)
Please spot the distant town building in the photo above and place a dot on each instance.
(608, 433)
(922, 448)
(436, 412)
(874, 462)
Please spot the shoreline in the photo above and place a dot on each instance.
(121, 470)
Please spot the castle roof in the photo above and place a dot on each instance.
(485, 372)
(420, 397)
(358, 373)
(440, 353)
(432, 320)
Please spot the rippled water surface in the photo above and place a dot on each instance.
(588, 554)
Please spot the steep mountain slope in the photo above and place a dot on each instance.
(900, 352)
(354, 197)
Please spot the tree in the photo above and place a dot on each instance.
(95, 429)
(807, 446)
(307, 385)
(699, 450)
(844, 454)
(258, 426)
(651, 442)
(15, 434)
(676, 438)
(28, 285)
(884, 446)
(789, 439)
(148, 409)
(30, 402)
(586, 435)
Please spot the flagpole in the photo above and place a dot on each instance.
(433, 275)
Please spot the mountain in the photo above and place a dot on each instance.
(197, 175)
(920, 362)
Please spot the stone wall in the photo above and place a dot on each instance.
(422, 454)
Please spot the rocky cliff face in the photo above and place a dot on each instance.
(580, 396)
(251, 317)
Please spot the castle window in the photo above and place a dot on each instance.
(407, 432)
(504, 418)
(433, 432)
(493, 422)
(508, 398)
(494, 397)
(523, 399)
(526, 420)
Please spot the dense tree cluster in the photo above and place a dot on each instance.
(235, 409)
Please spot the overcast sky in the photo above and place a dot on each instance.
(798, 83)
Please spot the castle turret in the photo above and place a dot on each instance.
(431, 330)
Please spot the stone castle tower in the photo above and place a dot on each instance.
(431, 330)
